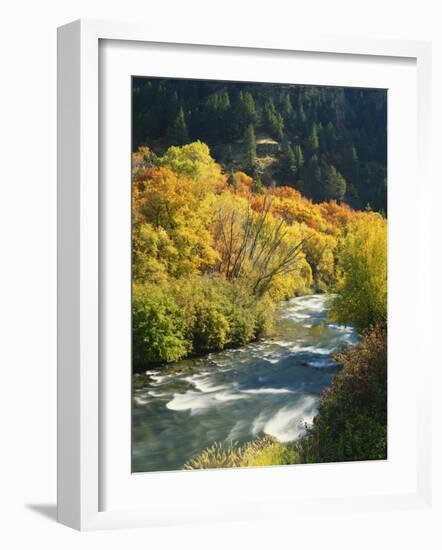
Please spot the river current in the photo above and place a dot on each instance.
(272, 386)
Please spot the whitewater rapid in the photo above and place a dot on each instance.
(271, 387)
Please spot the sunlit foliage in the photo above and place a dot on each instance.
(265, 451)
(329, 142)
(211, 255)
(194, 315)
(361, 297)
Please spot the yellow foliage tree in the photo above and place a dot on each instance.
(169, 203)
(361, 297)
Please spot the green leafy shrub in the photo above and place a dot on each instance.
(194, 315)
(211, 327)
(158, 326)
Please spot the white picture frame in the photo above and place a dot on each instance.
(79, 265)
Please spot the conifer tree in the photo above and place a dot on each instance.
(313, 140)
(313, 178)
(250, 146)
(249, 108)
(334, 184)
(179, 132)
(299, 157)
(301, 118)
(289, 159)
(287, 107)
(274, 120)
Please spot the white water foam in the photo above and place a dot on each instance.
(268, 391)
(140, 400)
(288, 424)
(197, 401)
(310, 349)
(203, 383)
(273, 360)
(228, 396)
(236, 431)
(314, 302)
(158, 379)
(190, 400)
(157, 394)
(282, 343)
(296, 315)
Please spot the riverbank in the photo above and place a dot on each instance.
(270, 387)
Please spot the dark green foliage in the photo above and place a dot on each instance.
(313, 176)
(159, 331)
(334, 184)
(289, 164)
(344, 128)
(250, 147)
(273, 120)
(313, 141)
(178, 131)
(299, 157)
(351, 423)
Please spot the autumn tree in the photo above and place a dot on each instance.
(361, 297)
(172, 214)
(258, 246)
(342, 127)
(195, 161)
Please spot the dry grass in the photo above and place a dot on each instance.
(265, 451)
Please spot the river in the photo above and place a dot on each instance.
(272, 386)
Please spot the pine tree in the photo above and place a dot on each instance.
(172, 108)
(250, 146)
(243, 114)
(330, 137)
(249, 108)
(224, 101)
(334, 184)
(179, 133)
(299, 157)
(313, 140)
(229, 155)
(289, 160)
(301, 118)
(287, 106)
(274, 120)
(313, 179)
(350, 166)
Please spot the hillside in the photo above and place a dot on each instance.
(327, 142)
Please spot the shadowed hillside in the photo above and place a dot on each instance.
(327, 142)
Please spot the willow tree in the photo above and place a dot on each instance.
(258, 246)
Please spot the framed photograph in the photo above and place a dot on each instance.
(234, 268)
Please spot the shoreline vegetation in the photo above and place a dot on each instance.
(351, 423)
(248, 195)
(213, 253)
